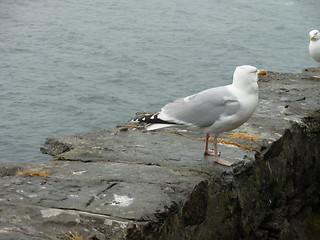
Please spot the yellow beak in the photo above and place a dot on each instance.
(311, 38)
(262, 72)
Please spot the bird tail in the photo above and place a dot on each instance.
(152, 121)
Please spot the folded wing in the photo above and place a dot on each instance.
(201, 109)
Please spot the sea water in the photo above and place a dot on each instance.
(72, 66)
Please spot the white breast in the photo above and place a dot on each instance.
(314, 50)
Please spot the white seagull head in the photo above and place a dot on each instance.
(246, 75)
(314, 35)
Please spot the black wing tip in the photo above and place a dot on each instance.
(150, 118)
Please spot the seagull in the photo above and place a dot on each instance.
(314, 46)
(214, 111)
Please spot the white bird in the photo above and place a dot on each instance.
(215, 110)
(314, 46)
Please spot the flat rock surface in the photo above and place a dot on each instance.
(104, 182)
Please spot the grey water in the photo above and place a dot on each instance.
(72, 66)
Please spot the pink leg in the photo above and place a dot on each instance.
(207, 152)
(216, 157)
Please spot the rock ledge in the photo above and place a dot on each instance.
(125, 183)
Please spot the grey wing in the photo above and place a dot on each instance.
(201, 109)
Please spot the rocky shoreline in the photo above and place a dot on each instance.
(125, 183)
